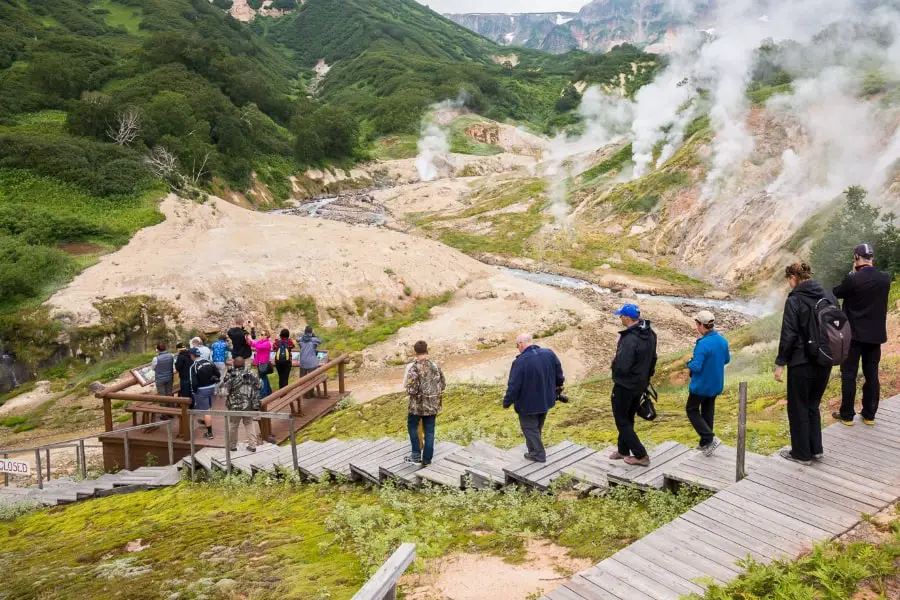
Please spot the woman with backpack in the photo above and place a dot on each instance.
(283, 357)
(262, 360)
(808, 373)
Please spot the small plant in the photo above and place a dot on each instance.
(407, 291)
(150, 460)
(389, 272)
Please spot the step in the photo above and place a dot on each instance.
(341, 457)
(663, 457)
(310, 463)
(339, 466)
(541, 475)
(285, 461)
(405, 472)
(368, 468)
(592, 471)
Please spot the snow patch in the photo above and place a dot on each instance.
(561, 20)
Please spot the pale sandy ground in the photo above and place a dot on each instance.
(217, 260)
(477, 577)
(28, 401)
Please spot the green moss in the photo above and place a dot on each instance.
(613, 163)
(396, 147)
(762, 95)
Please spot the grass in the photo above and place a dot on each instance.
(118, 15)
(383, 320)
(832, 571)
(42, 122)
(462, 143)
(278, 540)
(613, 163)
(762, 95)
(396, 147)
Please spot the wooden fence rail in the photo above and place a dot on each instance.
(383, 585)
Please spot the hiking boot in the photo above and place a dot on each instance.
(530, 456)
(819, 456)
(251, 448)
(234, 449)
(869, 422)
(426, 464)
(415, 460)
(640, 462)
(616, 456)
(209, 435)
(711, 447)
(786, 454)
(837, 417)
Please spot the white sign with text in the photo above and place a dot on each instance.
(14, 467)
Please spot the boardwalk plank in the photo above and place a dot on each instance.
(839, 484)
(613, 585)
(661, 457)
(735, 551)
(665, 541)
(811, 508)
(860, 440)
(656, 572)
(770, 514)
(679, 564)
(758, 549)
(639, 581)
(822, 490)
(786, 540)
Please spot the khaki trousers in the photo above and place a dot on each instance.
(250, 425)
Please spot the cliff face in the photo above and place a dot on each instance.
(599, 26)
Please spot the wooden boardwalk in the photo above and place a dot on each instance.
(780, 510)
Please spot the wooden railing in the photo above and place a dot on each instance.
(383, 585)
(285, 396)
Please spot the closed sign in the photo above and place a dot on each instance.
(16, 467)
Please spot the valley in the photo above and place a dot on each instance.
(385, 175)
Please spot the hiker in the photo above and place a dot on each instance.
(632, 368)
(535, 381)
(262, 362)
(240, 387)
(163, 365)
(707, 367)
(283, 357)
(205, 353)
(240, 340)
(309, 348)
(219, 350)
(204, 376)
(865, 293)
(183, 364)
(425, 387)
(806, 378)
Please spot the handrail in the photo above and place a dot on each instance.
(383, 584)
(255, 414)
(338, 362)
(78, 444)
(152, 398)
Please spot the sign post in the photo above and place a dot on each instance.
(742, 431)
(13, 467)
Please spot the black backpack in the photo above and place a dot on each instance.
(829, 335)
(646, 410)
(284, 352)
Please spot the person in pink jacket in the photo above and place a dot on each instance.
(262, 362)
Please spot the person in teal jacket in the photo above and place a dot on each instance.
(707, 368)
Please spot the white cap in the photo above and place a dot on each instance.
(704, 317)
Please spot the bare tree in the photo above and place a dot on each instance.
(164, 165)
(198, 171)
(126, 127)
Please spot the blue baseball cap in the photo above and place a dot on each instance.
(629, 310)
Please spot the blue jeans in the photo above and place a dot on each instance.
(266, 388)
(412, 425)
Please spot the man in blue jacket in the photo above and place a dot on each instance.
(535, 381)
(707, 368)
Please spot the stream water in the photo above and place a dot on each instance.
(754, 308)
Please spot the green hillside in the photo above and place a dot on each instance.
(394, 58)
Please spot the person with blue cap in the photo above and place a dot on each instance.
(632, 368)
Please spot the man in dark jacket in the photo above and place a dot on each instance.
(632, 368)
(204, 377)
(865, 293)
(240, 340)
(535, 381)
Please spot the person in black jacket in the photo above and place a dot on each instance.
(865, 293)
(807, 379)
(535, 381)
(183, 364)
(204, 378)
(632, 368)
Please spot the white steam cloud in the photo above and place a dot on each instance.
(434, 140)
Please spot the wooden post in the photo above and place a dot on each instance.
(48, 464)
(169, 442)
(127, 453)
(186, 429)
(294, 447)
(742, 431)
(228, 444)
(6, 475)
(107, 414)
(341, 387)
(37, 463)
(83, 459)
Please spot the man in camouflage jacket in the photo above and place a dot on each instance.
(425, 386)
(240, 387)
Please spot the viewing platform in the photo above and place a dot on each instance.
(147, 408)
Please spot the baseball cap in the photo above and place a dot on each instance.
(194, 351)
(864, 251)
(705, 317)
(629, 310)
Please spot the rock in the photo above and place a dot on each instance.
(226, 585)
(606, 267)
(628, 293)
(174, 596)
(96, 387)
(718, 295)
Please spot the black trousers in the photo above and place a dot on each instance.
(870, 354)
(625, 406)
(805, 387)
(532, 428)
(284, 372)
(701, 412)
